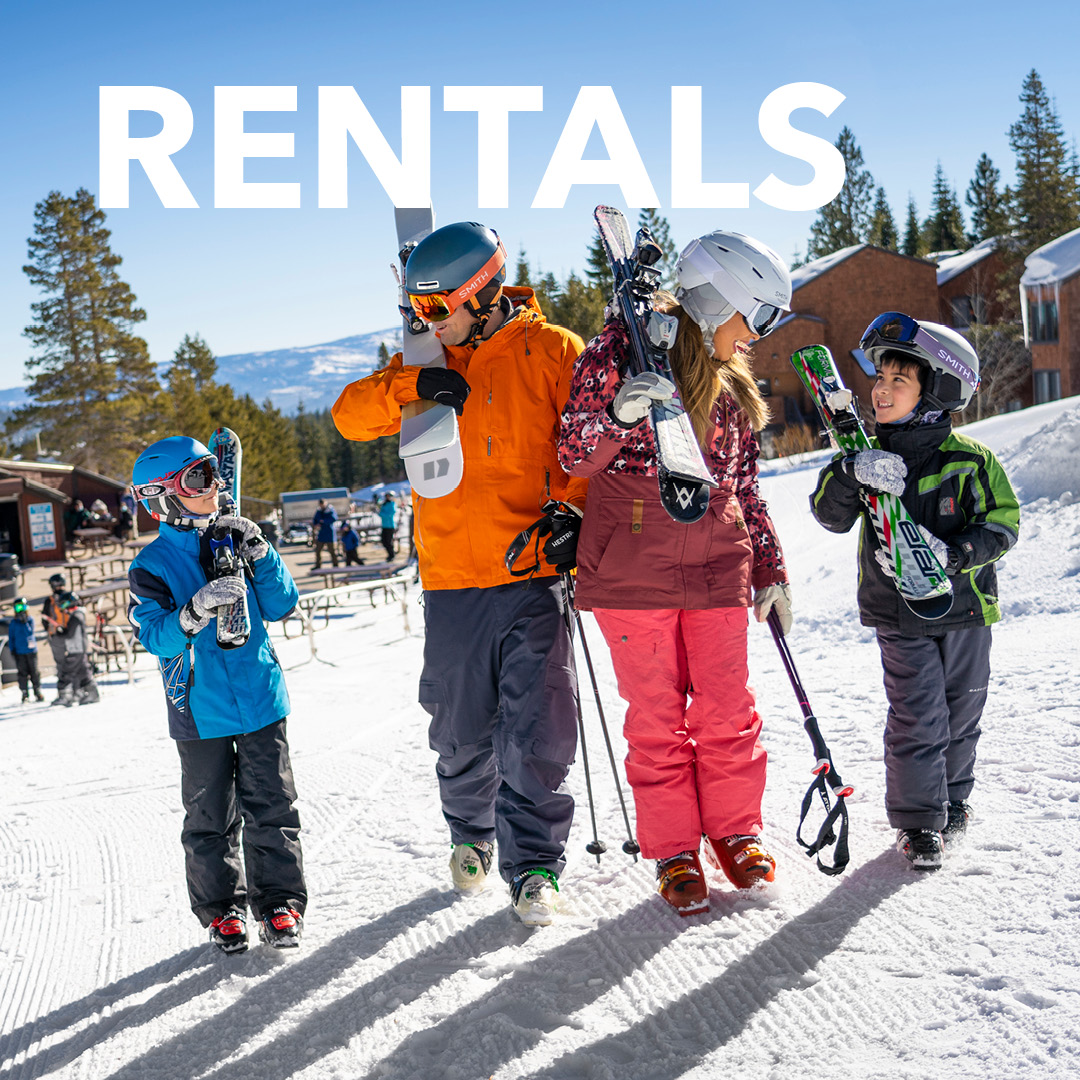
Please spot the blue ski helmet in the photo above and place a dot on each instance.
(171, 467)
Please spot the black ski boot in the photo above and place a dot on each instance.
(281, 927)
(960, 816)
(921, 847)
(229, 931)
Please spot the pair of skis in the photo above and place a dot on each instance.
(233, 620)
(919, 577)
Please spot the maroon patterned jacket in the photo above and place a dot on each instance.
(631, 553)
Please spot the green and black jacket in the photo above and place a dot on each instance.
(958, 490)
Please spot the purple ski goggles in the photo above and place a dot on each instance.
(895, 328)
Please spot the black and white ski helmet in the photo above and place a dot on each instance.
(952, 364)
(724, 272)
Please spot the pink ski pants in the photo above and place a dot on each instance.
(695, 763)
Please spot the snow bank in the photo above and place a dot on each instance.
(1046, 463)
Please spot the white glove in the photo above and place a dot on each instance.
(879, 470)
(778, 596)
(936, 545)
(637, 395)
(254, 545)
(883, 561)
(202, 607)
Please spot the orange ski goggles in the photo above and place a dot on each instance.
(437, 307)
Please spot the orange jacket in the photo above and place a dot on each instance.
(520, 379)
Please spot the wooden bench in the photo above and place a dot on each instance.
(100, 541)
(78, 568)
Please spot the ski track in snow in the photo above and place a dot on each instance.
(971, 972)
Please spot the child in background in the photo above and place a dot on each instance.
(74, 679)
(23, 645)
(936, 672)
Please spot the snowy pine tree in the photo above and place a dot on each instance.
(943, 230)
(989, 204)
(912, 244)
(845, 220)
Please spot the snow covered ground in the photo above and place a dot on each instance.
(972, 972)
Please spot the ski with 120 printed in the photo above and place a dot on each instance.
(919, 577)
(681, 471)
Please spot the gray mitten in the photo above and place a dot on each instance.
(254, 545)
(202, 607)
(878, 470)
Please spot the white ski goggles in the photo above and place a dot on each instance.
(191, 482)
(761, 317)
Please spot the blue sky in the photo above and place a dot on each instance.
(938, 82)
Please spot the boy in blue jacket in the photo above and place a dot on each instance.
(23, 646)
(228, 719)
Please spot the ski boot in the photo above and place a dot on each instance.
(923, 848)
(25, 696)
(743, 860)
(535, 896)
(681, 882)
(89, 694)
(229, 931)
(65, 697)
(281, 927)
(38, 695)
(470, 865)
(960, 816)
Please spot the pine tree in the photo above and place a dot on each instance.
(521, 275)
(845, 220)
(658, 225)
(1045, 198)
(93, 389)
(989, 205)
(579, 307)
(912, 244)
(598, 269)
(943, 230)
(883, 232)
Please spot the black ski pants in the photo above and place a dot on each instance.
(73, 669)
(232, 787)
(387, 537)
(27, 667)
(936, 688)
(500, 685)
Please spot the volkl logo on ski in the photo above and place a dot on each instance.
(430, 467)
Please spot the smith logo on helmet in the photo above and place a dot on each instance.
(344, 120)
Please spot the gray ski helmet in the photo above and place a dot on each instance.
(725, 272)
(456, 261)
(952, 364)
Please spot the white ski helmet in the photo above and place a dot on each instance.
(952, 363)
(727, 272)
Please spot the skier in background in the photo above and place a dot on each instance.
(936, 672)
(23, 644)
(75, 683)
(322, 525)
(670, 597)
(350, 544)
(228, 720)
(50, 616)
(388, 520)
(498, 675)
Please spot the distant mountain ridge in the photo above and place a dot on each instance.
(312, 374)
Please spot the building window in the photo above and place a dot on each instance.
(967, 310)
(1043, 321)
(1047, 385)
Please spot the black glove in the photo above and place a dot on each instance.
(444, 386)
(560, 548)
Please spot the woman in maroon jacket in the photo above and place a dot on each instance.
(671, 598)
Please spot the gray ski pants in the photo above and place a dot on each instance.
(226, 781)
(500, 685)
(936, 688)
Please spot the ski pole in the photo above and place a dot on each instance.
(824, 770)
(630, 845)
(596, 846)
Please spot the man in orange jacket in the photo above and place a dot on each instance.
(498, 679)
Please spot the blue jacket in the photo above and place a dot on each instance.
(21, 636)
(350, 539)
(210, 691)
(388, 514)
(323, 523)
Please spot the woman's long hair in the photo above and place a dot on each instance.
(702, 379)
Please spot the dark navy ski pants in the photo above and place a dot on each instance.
(228, 781)
(500, 685)
(936, 688)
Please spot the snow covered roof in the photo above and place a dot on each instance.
(949, 268)
(792, 315)
(1053, 262)
(804, 274)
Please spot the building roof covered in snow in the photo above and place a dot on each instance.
(804, 274)
(1053, 262)
(949, 268)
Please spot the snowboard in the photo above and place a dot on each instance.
(429, 443)
(682, 474)
(920, 578)
(233, 620)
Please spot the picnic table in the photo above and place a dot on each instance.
(96, 539)
(103, 597)
(111, 566)
(365, 572)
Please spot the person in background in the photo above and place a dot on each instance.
(388, 519)
(75, 683)
(51, 617)
(23, 644)
(350, 544)
(322, 525)
(76, 516)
